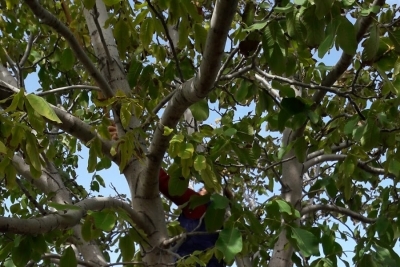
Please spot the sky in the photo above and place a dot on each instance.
(112, 177)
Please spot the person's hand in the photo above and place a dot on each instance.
(113, 131)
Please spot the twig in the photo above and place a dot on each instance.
(31, 199)
(28, 48)
(171, 43)
(345, 211)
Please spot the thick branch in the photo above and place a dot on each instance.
(65, 219)
(350, 213)
(49, 19)
(334, 149)
(193, 90)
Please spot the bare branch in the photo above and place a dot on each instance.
(68, 88)
(345, 211)
(49, 19)
(27, 50)
(334, 149)
(323, 158)
(171, 43)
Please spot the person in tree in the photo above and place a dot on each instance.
(190, 219)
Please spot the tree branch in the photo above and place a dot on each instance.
(192, 90)
(345, 211)
(334, 149)
(67, 218)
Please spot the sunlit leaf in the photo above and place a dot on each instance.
(42, 107)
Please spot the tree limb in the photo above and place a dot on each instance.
(345, 211)
(192, 90)
(68, 88)
(65, 219)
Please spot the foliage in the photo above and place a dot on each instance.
(327, 72)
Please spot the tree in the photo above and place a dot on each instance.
(324, 134)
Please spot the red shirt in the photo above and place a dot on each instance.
(195, 213)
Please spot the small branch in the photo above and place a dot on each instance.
(171, 43)
(323, 158)
(27, 50)
(98, 27)
(272, 92)
(301, 84)
(345, 211)
(31, 199)
(58, 257)
(67, 88)
(334, 149)
(231, 55)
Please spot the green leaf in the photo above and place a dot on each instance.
(326, 45)
(67, 60)
(200, 110)
(371, 45)
(220, 202)
(111, 2)
(394, 167)
(133, 75)
(22, 252)
(87, 228)
(104, 220)
(127, 247)
(68, 258)
(200, 163)
(177, 185)
(146, 32)
(214, 218)
(3, 148)
(167, 131)
(300, 149)
(200, 37)
(33, 152)
(186, 151)
(257, 26)
(395, 38)
(229, 243)
(284, 207)
(121, 34)
(294, 105)
(89, 4)
(242, 91)
(42, 107)
(346, 36)
(323, 7)
(209, 178)
(306, 242)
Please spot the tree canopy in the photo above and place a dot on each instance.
(303, 157)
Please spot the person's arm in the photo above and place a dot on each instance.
(195, 213)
